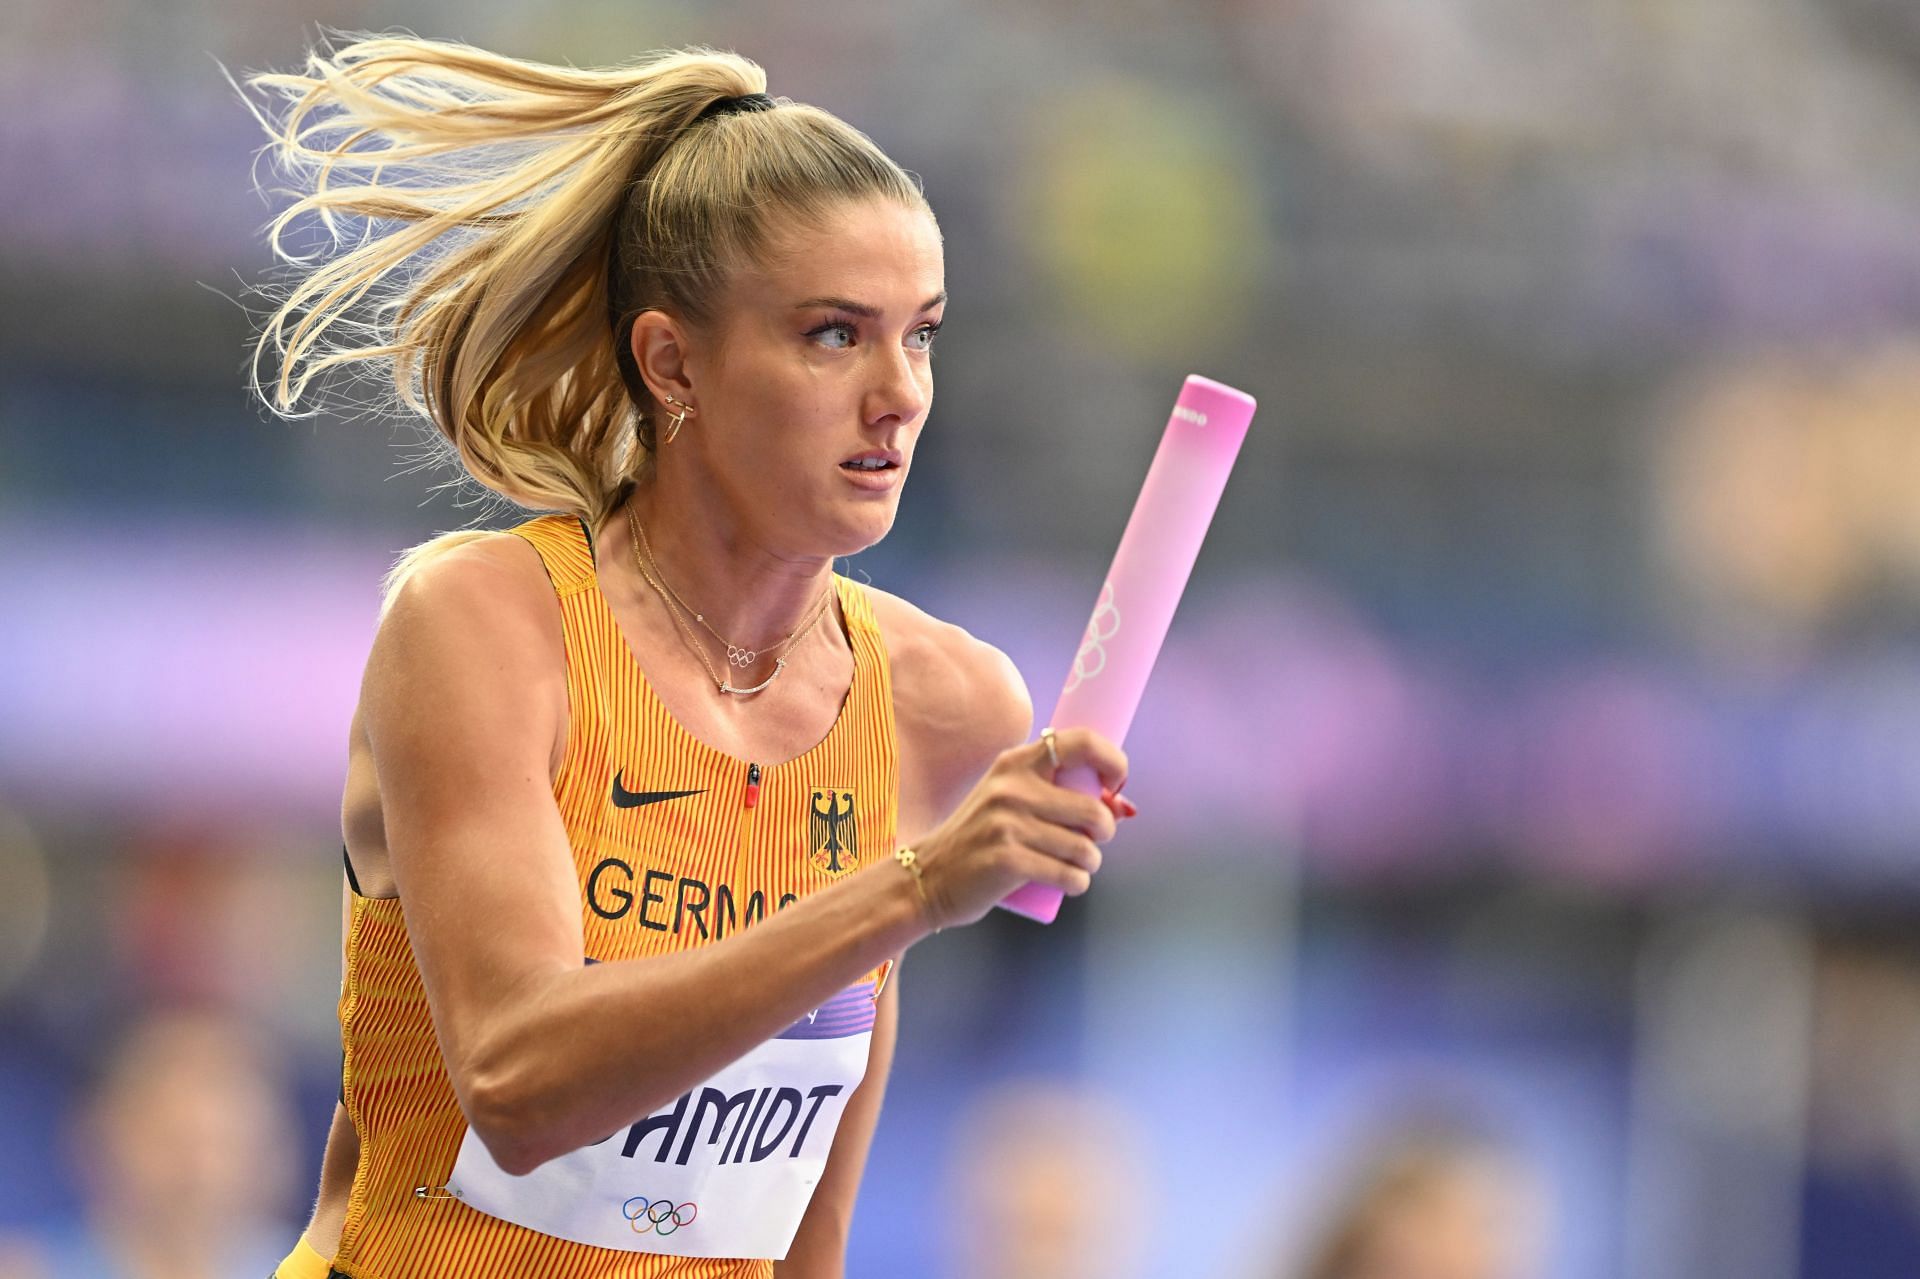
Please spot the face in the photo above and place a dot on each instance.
(823, 353)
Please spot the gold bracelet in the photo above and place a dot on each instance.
(911, 860)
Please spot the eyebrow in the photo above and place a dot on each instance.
(861, 308)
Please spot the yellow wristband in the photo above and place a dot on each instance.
(911, 860)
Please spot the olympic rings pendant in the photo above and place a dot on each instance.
(742, 657)
(779, 664)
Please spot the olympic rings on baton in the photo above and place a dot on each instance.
(660, 1215)
(1046, 736)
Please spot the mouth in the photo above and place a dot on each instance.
(877, 473)
(873, 460)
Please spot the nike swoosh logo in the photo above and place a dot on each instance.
(624, 798)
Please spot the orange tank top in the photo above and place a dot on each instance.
(676, 845)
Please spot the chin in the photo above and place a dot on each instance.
(865, 527)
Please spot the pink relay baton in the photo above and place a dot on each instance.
(1150, 570)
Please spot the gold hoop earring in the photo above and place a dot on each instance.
(673, 428)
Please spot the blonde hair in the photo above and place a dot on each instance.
(509, 219)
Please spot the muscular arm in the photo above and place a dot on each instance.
(547, 1055)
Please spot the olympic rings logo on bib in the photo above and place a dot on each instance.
(659, 1216)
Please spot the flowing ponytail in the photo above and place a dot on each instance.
(508, 219)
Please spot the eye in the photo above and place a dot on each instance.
(834, 326)
(849, 328)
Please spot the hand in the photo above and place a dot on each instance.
(1019, 826)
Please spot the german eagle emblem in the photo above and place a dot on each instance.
(832, 842)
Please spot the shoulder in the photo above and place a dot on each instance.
(958, 700)
(473, 617)
(453, 567)
(483, 586)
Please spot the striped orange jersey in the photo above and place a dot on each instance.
(676, 845)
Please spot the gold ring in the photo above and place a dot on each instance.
(1046, 736)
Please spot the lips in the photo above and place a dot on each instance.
(879, 480)
(890, 457)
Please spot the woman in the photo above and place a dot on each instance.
(651, 729)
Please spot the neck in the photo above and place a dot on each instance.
(753, 593)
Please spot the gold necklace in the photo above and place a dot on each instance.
(658, 582)
(736, 656)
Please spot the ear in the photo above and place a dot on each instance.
(660, 349)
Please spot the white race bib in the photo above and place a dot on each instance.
(726, 1171)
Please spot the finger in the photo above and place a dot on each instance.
(1095, 750)
(1070, 880)
(1120, 805)
(1065, 876)
(1067, 847)
(1040, 760)
(1063, 806)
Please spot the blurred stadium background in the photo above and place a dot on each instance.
(1529, 863)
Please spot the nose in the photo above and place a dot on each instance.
(902, 386)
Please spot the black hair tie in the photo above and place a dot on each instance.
(727, 106)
